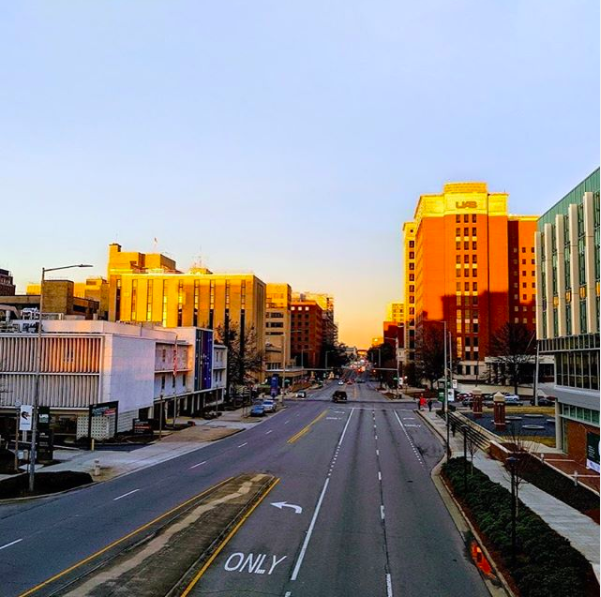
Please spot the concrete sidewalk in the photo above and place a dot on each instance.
(578, 529)
(126, 459)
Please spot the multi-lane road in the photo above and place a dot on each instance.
(355, 512)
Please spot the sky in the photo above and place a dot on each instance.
(291, 139)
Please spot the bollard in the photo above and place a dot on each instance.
(542, 456)
(96, 467)
(576, 478)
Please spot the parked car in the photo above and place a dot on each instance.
(512, 400)
(258, 410)
(270, 406)
(463, 396)
(469, 401)
(339, 396)
(301, 394)
(544, 401)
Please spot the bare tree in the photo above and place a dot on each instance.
(244, 359)
(429, 351)
(512, 345)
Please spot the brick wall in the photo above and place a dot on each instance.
(577, 440)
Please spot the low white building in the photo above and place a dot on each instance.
(86, 363)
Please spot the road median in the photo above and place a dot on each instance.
(161, 558)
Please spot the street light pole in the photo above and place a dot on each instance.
(38, 374)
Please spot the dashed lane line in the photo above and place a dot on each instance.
(125, 495)
(199, 464)
(11, 543)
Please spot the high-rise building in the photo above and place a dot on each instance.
(395, 312)
(326, 302)
(307, 333)
(567, 255)
(149, 288)
(470, 264)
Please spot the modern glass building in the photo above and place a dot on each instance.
(567, 307)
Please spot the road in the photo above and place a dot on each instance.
(356, 510)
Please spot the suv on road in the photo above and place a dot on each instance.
(339, 396)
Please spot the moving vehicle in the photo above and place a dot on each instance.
(270, 406)
(258, 410)
(339, 396)
(340, 383)
(301, 394)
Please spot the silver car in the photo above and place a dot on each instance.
(270, 406)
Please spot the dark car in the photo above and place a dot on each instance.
(258, 410)
(544, 401)
(339, 396)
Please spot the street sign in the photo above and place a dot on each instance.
(454, 384)
(44, 418)
(25, 417)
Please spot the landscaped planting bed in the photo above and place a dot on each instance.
(546, 563)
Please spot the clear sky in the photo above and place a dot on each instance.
(287, 138)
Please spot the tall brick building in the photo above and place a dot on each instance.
(307, 334)
(471, 264)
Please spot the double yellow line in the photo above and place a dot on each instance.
(206, 565)
(306, 429)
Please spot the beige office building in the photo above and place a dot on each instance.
(149, 288)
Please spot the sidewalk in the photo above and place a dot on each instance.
(577, 528)
(126, 459)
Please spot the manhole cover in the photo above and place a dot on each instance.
(533, 427)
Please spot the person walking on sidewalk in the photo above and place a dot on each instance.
(430, 405)
(422, 402)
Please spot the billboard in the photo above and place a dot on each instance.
(203, 362)
(25, 417)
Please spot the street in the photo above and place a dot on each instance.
(355, 511)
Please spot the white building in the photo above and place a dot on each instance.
(87, 363)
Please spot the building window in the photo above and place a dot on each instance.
(474, 246)
(134, 299)
(411, 244)
(466, 232)
(474, 218)
(457, 231)
(475, 286)
(474, 258)
(457, 258)
(164, 318)
(466, 259)
(466, 286)
(180, 303)
(118, 301)
(466, 218)
(457, 219)
(196, 302)
(149, 293)
(458, 246)
(466, 245)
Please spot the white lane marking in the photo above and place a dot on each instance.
(388, 585)
(377, 452)
(286, 422)
(199, 464)
(379, 476)
(287, 593)
(268, 432)
(346, 427)
(242, 445)
(11, 543)
(415, 451)
(310, 531)
(382, 512)
(125, 495)
(376, 437)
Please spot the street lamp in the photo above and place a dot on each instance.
(38, 371)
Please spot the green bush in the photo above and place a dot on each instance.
(546, 563)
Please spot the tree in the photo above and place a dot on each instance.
(379, 355)
(337, 356)
(512, 345)
(429, 352)
(244, 359)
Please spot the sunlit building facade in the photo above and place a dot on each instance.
(149, 288)
(567, 249)
(468, 263)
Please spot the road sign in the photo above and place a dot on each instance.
(25, 417)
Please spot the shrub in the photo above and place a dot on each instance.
(546, 563)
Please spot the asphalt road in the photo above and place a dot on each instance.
(368, 519)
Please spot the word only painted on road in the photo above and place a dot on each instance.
(251, 563)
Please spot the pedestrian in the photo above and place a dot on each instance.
(430, 405)
(422, 402)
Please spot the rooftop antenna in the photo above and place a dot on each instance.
(155, 244)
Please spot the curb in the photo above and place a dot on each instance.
(464, 526)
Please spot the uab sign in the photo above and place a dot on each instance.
(466, 204)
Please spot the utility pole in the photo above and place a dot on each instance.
(38, 375)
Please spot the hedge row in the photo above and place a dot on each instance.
(546, 563)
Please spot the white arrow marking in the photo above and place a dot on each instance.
(281, 505)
